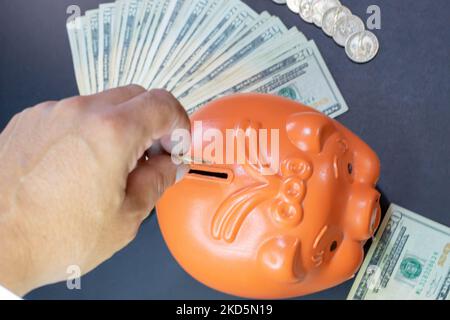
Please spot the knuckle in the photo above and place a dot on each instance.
(21, 114)
(32, 112)
(16, 117)
(45, 105)
(164, 99)
(12, 123)
(70, 107)
(134, 88)
(161, 94)
(183, 119)
(75, 102)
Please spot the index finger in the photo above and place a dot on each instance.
(149, 117)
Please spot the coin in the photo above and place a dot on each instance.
(345, 27)
(361, 47)
(293, 5)
(306, 10)
(320, 7)
(279, 1)
(331, 16)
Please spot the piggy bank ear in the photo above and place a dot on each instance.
(309, 130)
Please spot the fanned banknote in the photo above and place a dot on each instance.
(409, 259)
(199, 50)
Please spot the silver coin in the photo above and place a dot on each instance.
(320, 7)
(279, 1)
(361, 47)
(330, 18)
(293, 5)
(345, 27)
(306, 10)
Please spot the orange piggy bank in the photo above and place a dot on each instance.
(296, 231)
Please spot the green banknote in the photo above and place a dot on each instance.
(409, 260)
(199, 50)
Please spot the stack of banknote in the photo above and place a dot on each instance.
(408, 259)
(199, 50)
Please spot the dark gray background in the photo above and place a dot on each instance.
(399, 103)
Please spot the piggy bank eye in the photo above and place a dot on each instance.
(333, 246)
(343, 167)
(350, 168)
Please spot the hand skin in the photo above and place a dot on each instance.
(75, 184)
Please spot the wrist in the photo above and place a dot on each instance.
(15, 262)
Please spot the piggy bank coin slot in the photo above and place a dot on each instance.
(209, 174)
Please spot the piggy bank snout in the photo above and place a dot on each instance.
(364, 212)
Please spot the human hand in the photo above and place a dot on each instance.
(75, 184)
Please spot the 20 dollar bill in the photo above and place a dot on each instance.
(409, 259)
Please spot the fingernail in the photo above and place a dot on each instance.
(182, 170)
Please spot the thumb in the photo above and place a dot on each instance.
(148, 181)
